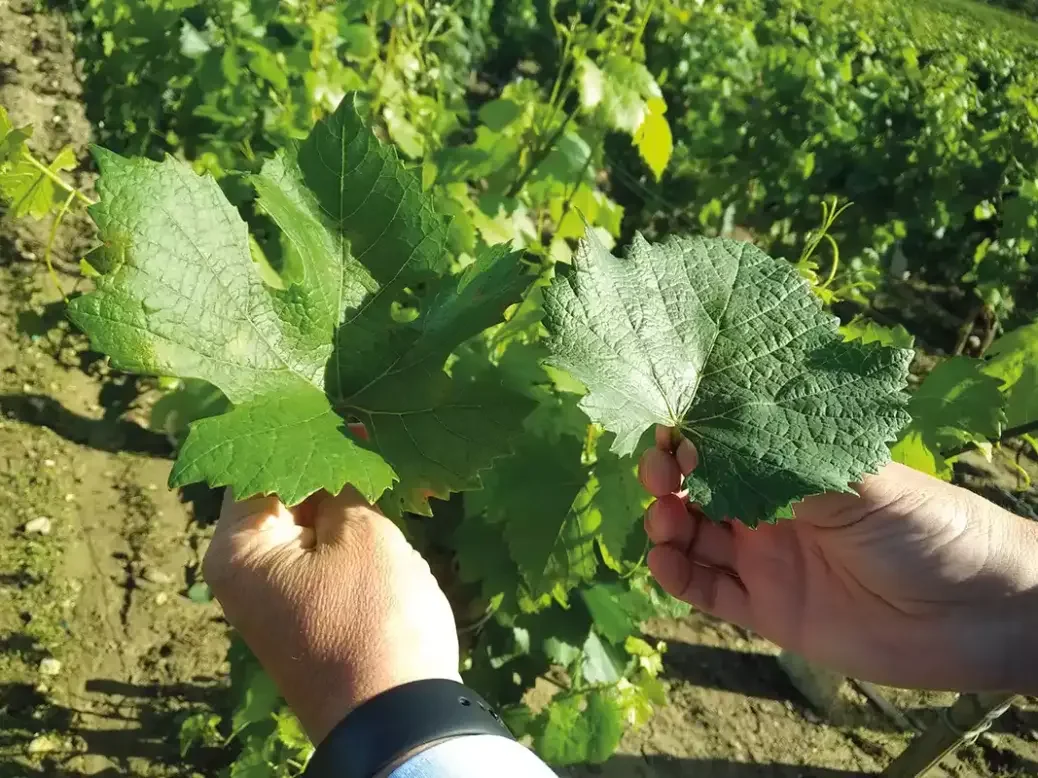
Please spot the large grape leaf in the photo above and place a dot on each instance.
(180, 295)
(716, 338)
(1013, 359)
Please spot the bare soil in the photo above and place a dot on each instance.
(104, 591)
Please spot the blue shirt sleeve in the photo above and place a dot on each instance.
(474, 756)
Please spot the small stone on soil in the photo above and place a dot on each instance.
(44, 744)
(155, 576)
(161, 598)
(50, 666)
(38, 526)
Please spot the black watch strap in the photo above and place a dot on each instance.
(398, 721)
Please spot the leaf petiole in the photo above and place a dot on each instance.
(59, 181)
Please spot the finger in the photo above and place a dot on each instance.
(687, 456)
(247, 533)
(233, 511)
(714, 544)
(337, 518)
(669, 520)
(658, 472)
(264, 521)
(666, 437)
(710, 589)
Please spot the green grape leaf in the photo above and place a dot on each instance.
(200, 593)
(253, 761)
(616, 610)
(539, 496)
(580, 728)
(867, 331)
(498, 114)
(653, 138)
(251, 439)
(27, 187)
(591, 83)
(1013, 359)
(12, 139)
(192, 400)
(180, 295)
(636, 700)
(911, 450)
(561, 652)
(955, 404)
(359, 40)
(290, 732)
(199, 728)
(602, 662)
(518, 718)
(260, 701)
(718, 339)
(662, 603)
(617, 504)
(619, 91)
(482, 557)
(559, 632)
(404, 134)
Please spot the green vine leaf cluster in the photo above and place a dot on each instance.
(374, 358)
(181, 296)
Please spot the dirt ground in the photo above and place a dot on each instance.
(101, 651)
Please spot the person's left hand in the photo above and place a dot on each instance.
(333, 601)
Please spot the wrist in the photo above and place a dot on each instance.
(399, 723)
(328, 704)
(1019, 646)
(995, 644)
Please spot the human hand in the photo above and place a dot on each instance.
(333, 601)
(914, 583)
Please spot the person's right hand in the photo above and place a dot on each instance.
(914, 583)
(333, 601)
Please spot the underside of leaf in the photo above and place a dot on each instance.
(729, 345)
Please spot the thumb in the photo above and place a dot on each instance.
(261, 522)
(345, 517)
(247, 534)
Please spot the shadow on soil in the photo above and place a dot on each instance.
(112, 435)
(663, 767)
(126, 722)
(740, 672)
(760, 675)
